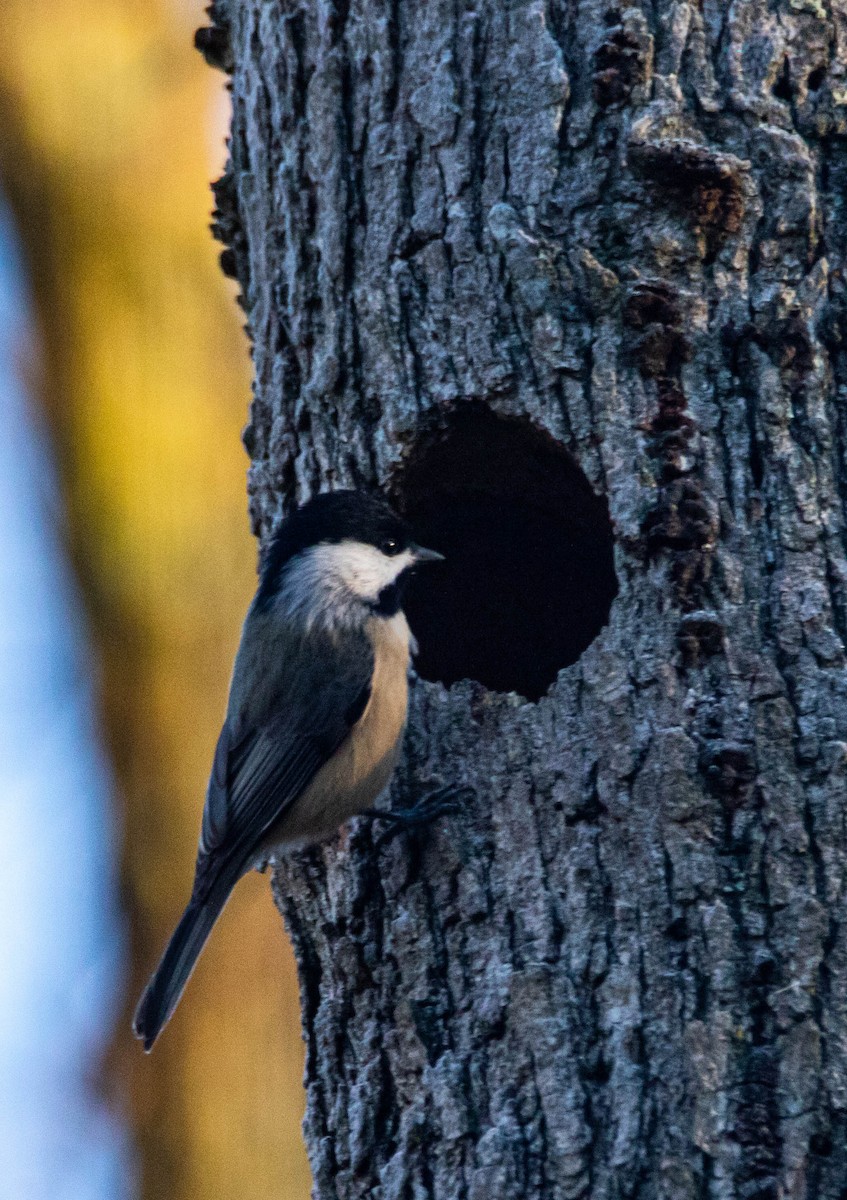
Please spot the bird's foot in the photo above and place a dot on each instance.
(444, 801)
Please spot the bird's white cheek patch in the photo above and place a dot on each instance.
(361, 568)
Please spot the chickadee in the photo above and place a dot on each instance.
(316, 710)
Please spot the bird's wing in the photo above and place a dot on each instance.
(262, 764)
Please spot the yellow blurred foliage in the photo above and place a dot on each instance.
(106, 153)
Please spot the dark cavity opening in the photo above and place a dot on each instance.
(816, 78)
(529, 576)
(782, 87)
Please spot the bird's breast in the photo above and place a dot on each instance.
(373, 744)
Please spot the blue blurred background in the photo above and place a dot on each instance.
(63, 951)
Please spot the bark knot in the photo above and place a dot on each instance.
(707, 185)
(623, 60)
(214, 40)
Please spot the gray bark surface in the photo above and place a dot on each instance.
(623, 971)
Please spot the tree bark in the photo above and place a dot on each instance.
(622, 971)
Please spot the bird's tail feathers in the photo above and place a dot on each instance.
(168, 981)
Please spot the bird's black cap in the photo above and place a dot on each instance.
(331, 517)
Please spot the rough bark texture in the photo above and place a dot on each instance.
(623, 971)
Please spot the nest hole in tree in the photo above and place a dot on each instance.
(529, 575)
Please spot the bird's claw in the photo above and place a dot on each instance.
(444, 801)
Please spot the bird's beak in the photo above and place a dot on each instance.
(422, 555)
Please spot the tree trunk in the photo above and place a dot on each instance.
(490, 252)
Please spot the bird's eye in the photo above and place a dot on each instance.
(390, 546)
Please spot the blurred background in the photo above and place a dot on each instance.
(125, 568)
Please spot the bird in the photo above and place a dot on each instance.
(315, 716)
